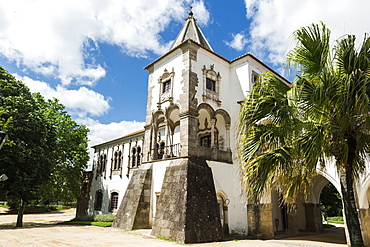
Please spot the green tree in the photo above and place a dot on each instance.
(71, 154)
(28, 163)
(50, 149)
(288, 131)
(331, 201)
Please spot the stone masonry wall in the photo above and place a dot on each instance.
(365, 225)
(313, 217)
(187, 206)
(260, 221)
(133, 212)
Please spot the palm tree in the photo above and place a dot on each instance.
(288, 131)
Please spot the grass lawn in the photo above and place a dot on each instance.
(336, 220)
(103, 220)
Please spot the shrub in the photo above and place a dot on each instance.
(104, 218)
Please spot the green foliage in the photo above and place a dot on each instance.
(50, 150)
(71, 153)
(102, 224)
(96, 218)
(102, 220)
(337, 220)
(331, 201)
(288, 131)
(104, 217)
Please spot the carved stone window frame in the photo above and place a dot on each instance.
(215, 76)
(166, 77)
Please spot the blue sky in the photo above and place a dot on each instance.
(90, 54)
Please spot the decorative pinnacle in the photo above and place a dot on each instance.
(191, 11)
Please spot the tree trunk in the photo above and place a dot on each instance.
(349, 205)
(20, 214)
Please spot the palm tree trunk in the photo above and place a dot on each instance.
(349, 204)
(20, 213)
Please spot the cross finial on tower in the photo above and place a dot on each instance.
(191, 10)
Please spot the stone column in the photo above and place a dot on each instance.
(213, 134)
(165, 155)
(292, 220)
(260, 220)
(154, 150)
(188, 134)
(365, 225)
(313, 217)
(227, 143)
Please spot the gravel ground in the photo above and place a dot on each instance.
(40, 230)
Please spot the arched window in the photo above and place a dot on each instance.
(114, 200)
(102, 161)
(119, 160)
(133, 157)
(138, 154)
(98, 200)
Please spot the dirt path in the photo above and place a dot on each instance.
(40, 230)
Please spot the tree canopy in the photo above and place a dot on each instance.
(47, 144)
(288, 131)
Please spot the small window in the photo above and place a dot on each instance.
(166, 86)
(114, 201)
(98, 200)
(205, 141)
(255, 77)
(211, 84)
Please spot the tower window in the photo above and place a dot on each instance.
(211, 84)
(166, 86)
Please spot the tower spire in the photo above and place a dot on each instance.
(191, 30)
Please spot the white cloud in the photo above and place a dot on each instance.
(239, 41)
(201, 13)
(100, 133)
(274, 21)
(58, 38)
(78, 102)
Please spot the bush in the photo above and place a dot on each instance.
(104, 218)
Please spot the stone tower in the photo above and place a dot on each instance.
(186, 208)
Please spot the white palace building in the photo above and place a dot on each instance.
(180, 175)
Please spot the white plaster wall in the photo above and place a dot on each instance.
(159, 169)
(116, 183)
(227, 181)
(173, 61)
(205, 58)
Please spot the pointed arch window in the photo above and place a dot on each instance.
(117, 160)
(136, 157)
(102, 163)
